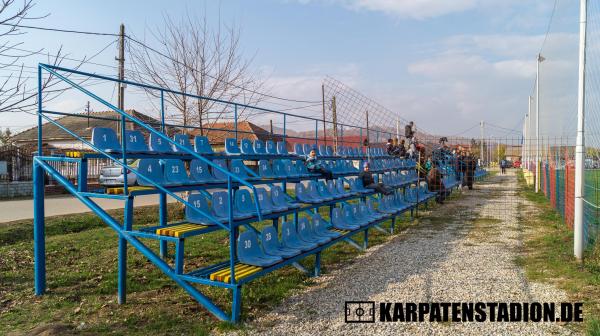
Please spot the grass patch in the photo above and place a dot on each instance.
(82, 279)
(548, 257)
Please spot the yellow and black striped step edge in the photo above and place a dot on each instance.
(119, 190)
(241, 271)
(340, 231)
(178, 230)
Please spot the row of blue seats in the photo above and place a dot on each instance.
(393, 179)
(106, 139)
(307, 235)
(244, 204)
(172, 172)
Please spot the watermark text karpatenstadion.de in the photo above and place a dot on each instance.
(370, 312)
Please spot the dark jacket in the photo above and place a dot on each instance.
(366, 177)
(434, 180)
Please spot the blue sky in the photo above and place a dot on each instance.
(445, 64)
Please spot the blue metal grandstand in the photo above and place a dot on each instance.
(227, 195)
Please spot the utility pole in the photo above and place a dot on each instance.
(538, 170)
(481, 143)
(398, 129)
(334, 117)
(121, 59)
(88, 110)
(271, 127)
(578, 239)
(529, 134)
(324, 125)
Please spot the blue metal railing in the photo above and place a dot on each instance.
(137, 121)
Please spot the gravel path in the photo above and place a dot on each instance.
(462, 252)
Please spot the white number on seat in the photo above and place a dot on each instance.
(132, 138)
(247, 243)
(150, 169)
(175, 169)
(268, 236)
(104, 137)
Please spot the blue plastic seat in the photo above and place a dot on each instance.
(290, 169)
(342, 190)
(231, 147)
(199, 172)
(220, 176)
(290, 238)
(282, 148)
(273, 246)
(265, 170)
(356, 215)
(348, 213)
(324, 191)
(298, 149)
(357, 186)
(384, 206)
(371, 209)
(279, 169)
(271, 147)
(183, 140)
(301, 169)
(250, 252)
(322, 150)
(279, 199)
(135, 142)
(245, 204)
(303, 196)
(265, 202)
(338, 221)
(220, 207)
(106, 139)
(201, 145)
(331, 187)
(175, 173)
(240, 170)
(306, 232)
(159, 145)
(200, 202)
(399, 202)
(313, 192)
(307, 148)
(320, 227)
(247, 147)
(329, 151)
(152, 169)
(365, 213)
(259, 147)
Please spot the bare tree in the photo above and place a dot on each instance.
(16, 95)
(201, 61)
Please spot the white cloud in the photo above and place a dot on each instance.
(415, 9)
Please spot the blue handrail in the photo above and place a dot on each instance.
(145, 178)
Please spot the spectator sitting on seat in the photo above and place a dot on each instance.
(314, 166)
(389, 147)
(436, 183)
(369, 182)
(401, 149)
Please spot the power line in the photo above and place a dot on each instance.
(549, 25)
(59, 30)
